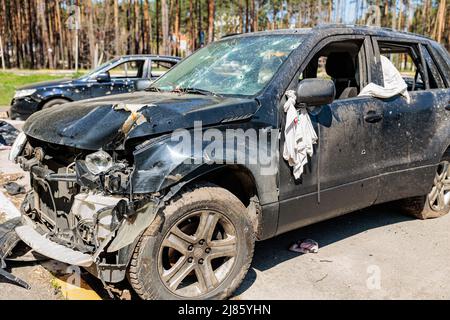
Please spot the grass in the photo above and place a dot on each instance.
(11, 80)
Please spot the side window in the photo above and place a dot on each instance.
(406, 59)
(160, 67)
(434, 77)
(129, 69)
(340, 61)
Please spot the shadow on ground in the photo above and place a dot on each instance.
(272, 252)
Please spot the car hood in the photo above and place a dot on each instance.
(95, 123)
(47, 84)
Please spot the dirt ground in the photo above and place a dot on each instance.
(376, 253)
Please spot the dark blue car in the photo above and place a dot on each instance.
(114, 77)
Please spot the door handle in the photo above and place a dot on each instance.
(373, 117)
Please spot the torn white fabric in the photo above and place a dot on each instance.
(393, 83)
(299, 135)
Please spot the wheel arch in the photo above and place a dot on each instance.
(52, 97)
(242, 183)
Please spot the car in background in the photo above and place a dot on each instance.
(113, 77)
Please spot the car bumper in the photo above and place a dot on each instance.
(22, 108)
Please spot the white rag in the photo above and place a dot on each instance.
(299, 135)
(393, 83)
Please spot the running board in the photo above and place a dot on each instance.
(51, 249)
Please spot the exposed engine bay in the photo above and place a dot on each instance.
(83, 202)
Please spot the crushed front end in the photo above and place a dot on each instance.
(81, 209)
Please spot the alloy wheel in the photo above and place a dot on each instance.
(197, 253)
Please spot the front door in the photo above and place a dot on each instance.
(340, 177)
(123, 77)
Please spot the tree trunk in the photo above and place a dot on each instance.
(254, 16)
(165, 26)
(137, 47)
(394, 14)
(211, 12)
(147, 28)
(157, 16)
(2, 53)
(441, 21)
(116, 28)
(41, 11)
(241, 19)
(192, 24)
(91, 35)
(199, 24)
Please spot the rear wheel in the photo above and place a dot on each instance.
(437, 202)
(54, 102)
(203, 251)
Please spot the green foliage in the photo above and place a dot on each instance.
(10, 81)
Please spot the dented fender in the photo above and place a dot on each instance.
(168, 161)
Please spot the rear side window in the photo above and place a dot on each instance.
(442, 60)
(434, 77)
(406, 59)
(160, 67)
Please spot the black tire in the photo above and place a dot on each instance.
(428, 206)
(54, 102)
(146, 263)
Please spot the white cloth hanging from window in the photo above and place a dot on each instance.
(393, 83)
(299, 135)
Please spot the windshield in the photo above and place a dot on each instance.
(235, 66)
(104, 65)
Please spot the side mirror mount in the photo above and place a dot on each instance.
(103, 77)
(143, 84)
(315, 92)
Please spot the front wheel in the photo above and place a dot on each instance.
(53, 103)
(203, 251)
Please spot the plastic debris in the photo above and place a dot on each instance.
(305, 246)
(8, 240)
(13, 188)
(8, 134)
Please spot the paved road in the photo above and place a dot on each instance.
(373, 254)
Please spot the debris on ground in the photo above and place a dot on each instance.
(6, 178)
(8, 240)
(305, 246)
(13, 188)
(9, 177)
(8, 134)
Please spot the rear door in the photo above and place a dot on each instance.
(405, 156)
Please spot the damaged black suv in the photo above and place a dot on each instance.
(171, 187)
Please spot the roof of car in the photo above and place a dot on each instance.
(335, 29)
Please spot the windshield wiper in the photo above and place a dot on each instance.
(153, 89)
(197, 91)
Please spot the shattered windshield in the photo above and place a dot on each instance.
(235, 66)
